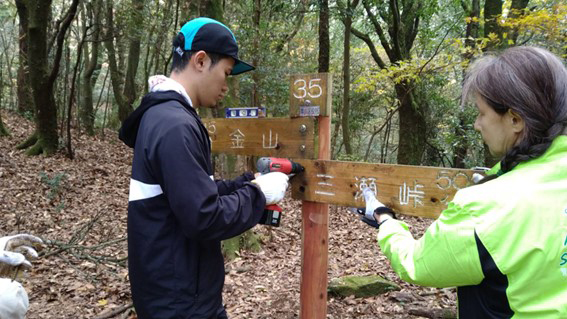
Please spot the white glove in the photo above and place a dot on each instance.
(14, 301)
(371, 203)
(273, 185)
(476, 177)
(14, 250)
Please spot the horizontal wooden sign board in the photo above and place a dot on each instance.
(410, 190)
(279, 137)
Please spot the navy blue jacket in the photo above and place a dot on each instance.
(177, 213)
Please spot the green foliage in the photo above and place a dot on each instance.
(248, 241)
(3, 130)
(7, 9)
(28, 115)
(349, 157)
(544, 24)
(60, 207)
(277, 56)
(112, 120)
(54, 183)
(285, 43)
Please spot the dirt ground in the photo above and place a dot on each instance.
(79, 208)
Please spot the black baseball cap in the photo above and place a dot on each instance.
(212, 36)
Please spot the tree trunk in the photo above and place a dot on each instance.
(492, 11)
(86, 110)
(176, 26)
(346, 76)
(402, 19)
(135, 33)
(215, 10)
(124, 95)
(471, 34)
(324, 43)
(516, 10)
(460, 150)
(472, 28)
(10, 102)
(70, 153)
(3, 130)
(115, 77)
(325, 57)
(42, 81)
(256, 53)
(413, 127)
(42, 90)
(149, 56)
(65, 86)
(25, 98)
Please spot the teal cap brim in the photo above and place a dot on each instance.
(241, 67)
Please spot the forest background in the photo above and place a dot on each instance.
(71, 71)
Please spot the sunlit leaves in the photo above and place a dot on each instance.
(548, 23)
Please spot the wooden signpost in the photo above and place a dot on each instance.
(411, 190)
(311, 95)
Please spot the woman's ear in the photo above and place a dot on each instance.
(517, 122)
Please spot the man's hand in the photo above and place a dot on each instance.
(14, 250)
(273, 185)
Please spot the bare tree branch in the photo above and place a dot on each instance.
(115, 312)
(438, 47)
(376, 132)
(378, 30)
(366, 38)
(296, 26)
(69, 16)
(396, 28)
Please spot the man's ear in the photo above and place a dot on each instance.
(199, 60)
(517, 122)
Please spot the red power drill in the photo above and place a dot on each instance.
(272, 213)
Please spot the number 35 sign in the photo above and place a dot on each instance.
(310, 94)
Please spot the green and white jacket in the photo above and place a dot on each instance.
(502, 243)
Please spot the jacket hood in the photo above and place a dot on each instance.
(129, 130)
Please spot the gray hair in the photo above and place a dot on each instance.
(530, 81)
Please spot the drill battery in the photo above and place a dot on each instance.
(272, 216)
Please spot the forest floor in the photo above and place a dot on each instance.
(79, 208)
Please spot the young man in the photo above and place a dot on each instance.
(177, 213)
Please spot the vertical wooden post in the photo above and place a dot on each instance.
(315, 233)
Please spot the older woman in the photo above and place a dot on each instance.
(502, 242)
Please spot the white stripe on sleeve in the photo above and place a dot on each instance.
(139, 190)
